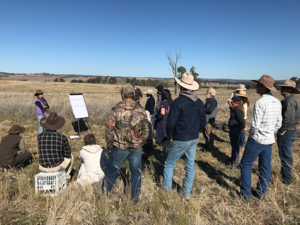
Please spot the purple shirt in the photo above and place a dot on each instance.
(38, 109)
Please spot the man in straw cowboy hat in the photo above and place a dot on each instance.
(41, 108)
(10, 145)
(186, 119)
(127, 130)
(54, 149)
(241, 87)
(266, 121)
(287, 133)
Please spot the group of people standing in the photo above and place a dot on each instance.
(269, 116)
(129, 126)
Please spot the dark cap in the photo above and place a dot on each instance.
(236, 99)
(160, 87)
(133, 84)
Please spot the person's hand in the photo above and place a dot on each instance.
(45, 107)
(246, 128)
(45, 114)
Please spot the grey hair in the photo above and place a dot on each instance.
(212, 91)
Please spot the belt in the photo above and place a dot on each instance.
(52, 166)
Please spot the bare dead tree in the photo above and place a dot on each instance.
(173, 64)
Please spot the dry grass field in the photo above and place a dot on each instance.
(214, 197)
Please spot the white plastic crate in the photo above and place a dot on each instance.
(50, 184)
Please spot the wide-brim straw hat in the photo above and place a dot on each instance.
(266, 81)
(291, 84)
(149, 92)
(242, 94)
(52, 122)
(242, 87)
(16, 129)
(187, 81)
(38, 92)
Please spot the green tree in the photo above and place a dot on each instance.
(193, 72)
(74, 81)
(181, 70)
(80, 81)
(61, 80)
(56, 80)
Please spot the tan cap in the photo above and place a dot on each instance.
(127, 89)
(290, 83)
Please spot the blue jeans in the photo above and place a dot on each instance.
(116, 161)
(154, 116)
(285, 146)
(176, 151)
(40, 128)
(235, 134)
(252, 151)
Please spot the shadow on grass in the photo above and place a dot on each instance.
(218, 176)
(219, 139)
(216, 153)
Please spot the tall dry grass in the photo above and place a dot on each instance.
(214, 197)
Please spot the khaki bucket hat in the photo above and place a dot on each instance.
(187, 81)
(290, 83)
(267, 81)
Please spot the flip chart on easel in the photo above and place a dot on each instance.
(78, 106)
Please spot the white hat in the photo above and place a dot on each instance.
(149, 92)
(187, 81)
(242, 87)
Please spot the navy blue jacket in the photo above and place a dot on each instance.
(186, 119)
(150, 104)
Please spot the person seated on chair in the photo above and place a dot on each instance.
(54, 150)
(94, 161)
(10, 145)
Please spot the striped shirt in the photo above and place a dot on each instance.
(266, 119)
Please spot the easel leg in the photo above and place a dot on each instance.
(78, 128)
(88, 125)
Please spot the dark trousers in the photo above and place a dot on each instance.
(116, 161)
(22, 159)
(235, 134)
(285, 146)
(252, 151)
(166, 143)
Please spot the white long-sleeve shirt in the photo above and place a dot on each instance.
(266, 119)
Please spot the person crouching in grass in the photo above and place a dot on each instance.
(236, 125)
(94, 161)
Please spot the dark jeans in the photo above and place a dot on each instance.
(235, 134)
(116, 161)
(23, 159)
(242, 139)
(252, 151)
(166, 147)
(285, 146)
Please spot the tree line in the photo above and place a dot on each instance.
(148, 82)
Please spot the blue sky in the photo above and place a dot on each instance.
(240, 39)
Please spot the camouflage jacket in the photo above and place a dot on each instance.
(127, 126)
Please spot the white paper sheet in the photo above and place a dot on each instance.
(78, 106)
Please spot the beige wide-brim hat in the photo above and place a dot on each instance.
(187, 81)
(242, 87)
(149, 92)
(242, 94)
(291, 84)
(267, 81)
